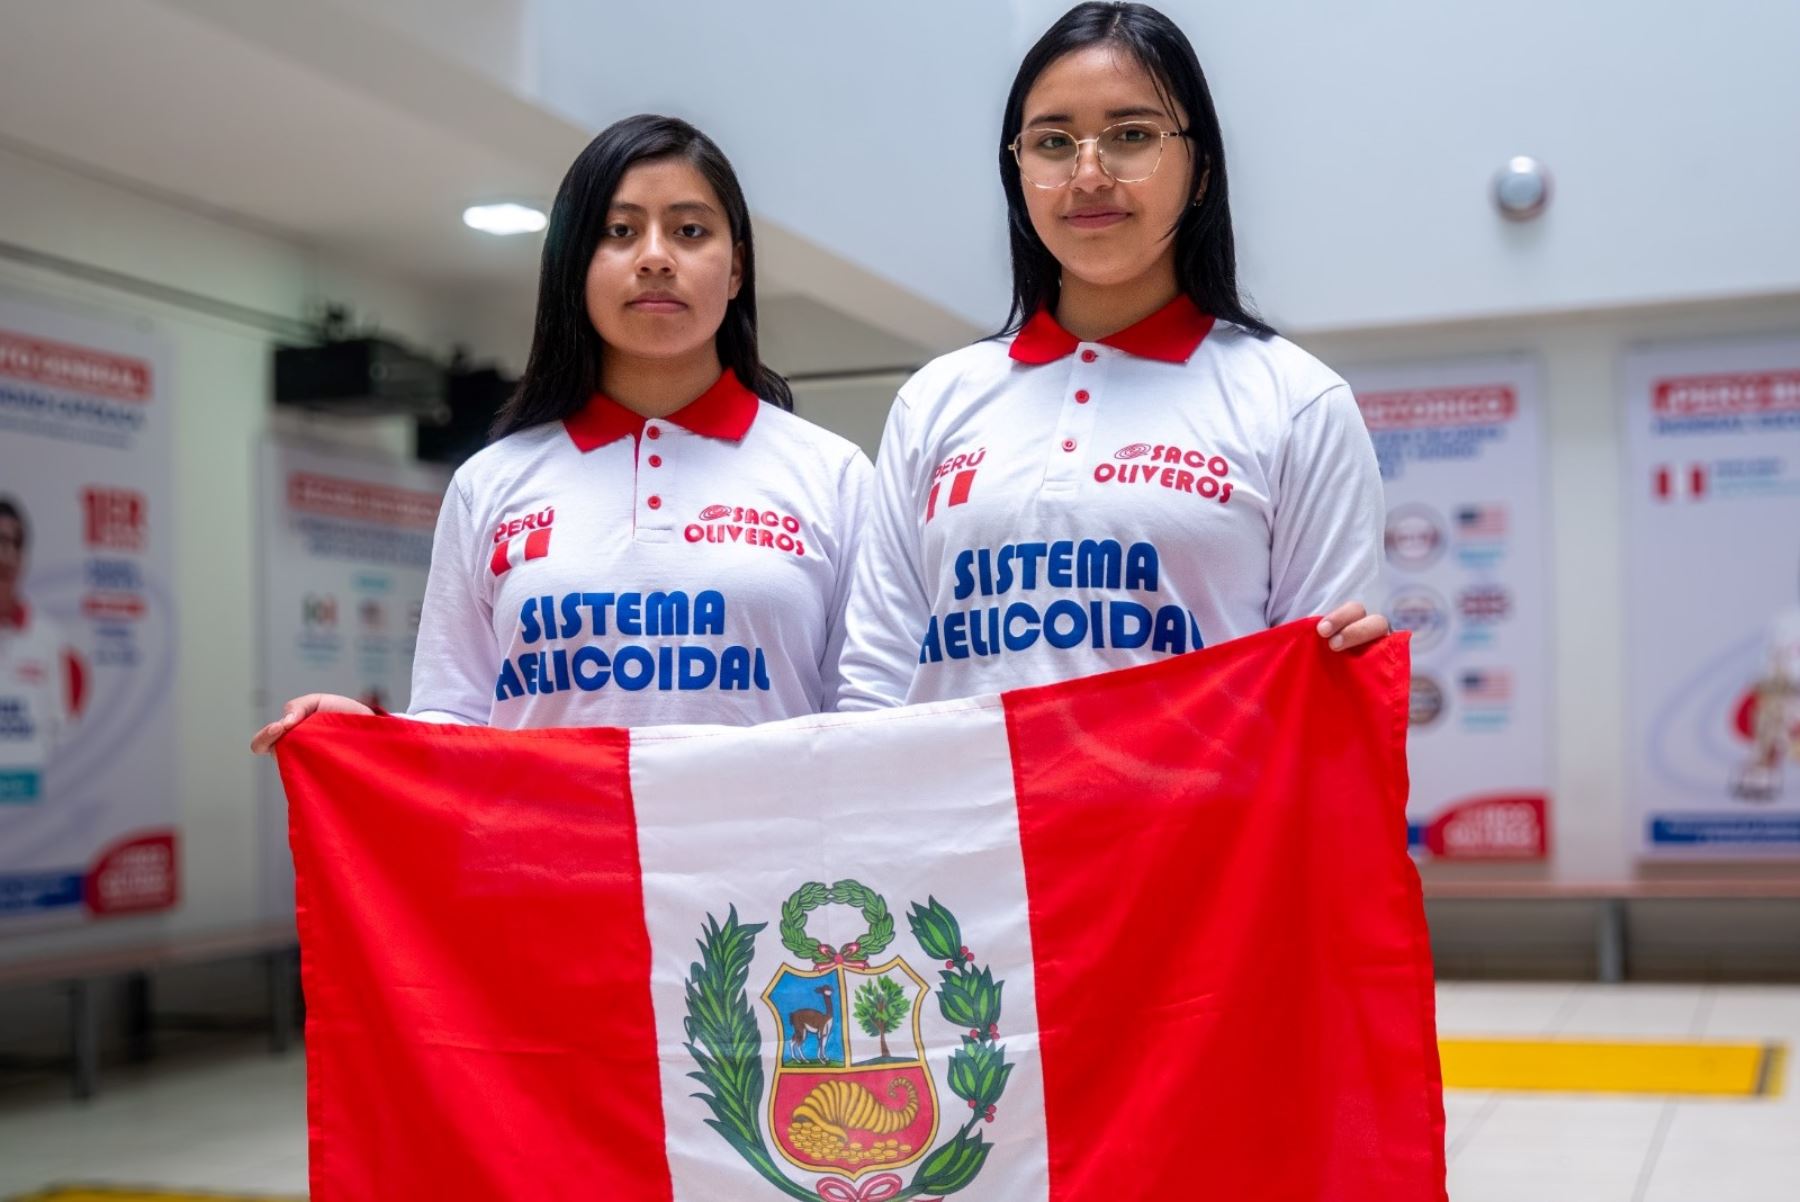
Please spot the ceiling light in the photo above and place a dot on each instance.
(504, 219)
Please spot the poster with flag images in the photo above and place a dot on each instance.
(346, 544)
(1713, 613)
(88, 808)
(1461, 448)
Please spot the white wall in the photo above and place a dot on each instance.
(1590, 826)
(1361, 137)
(222, 390)
(855, 408)
(1364, 137)
(863, 127)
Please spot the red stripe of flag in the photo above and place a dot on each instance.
(959, 488)
(931, 503)
(1215, 1021)
(537, 544)
(502, 559)
(521, 1052)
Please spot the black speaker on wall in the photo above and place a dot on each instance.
(358, 377)
(472, 399)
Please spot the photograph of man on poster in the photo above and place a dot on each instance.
(42, 678)
(1770, 713)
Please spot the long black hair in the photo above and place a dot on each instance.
(1205, 254)
(563, 370)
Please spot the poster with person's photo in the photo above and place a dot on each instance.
(1713, 597)
(1461, 448)
(88, 809)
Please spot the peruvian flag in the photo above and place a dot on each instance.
(510, 553)
(1153, 934)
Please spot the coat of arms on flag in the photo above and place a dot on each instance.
(852, 1092)
(1149, 934)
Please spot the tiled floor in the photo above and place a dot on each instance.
(1562, 1148)
(235, 1121)
(231, 1122)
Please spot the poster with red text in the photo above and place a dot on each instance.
(1713, 613)
(88, 807)
(1461, 448)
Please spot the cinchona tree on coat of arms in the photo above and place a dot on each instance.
(853, 1106)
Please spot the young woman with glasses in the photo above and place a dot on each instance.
(652, 537)
(1143, 467)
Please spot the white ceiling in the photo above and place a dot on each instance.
(332, 127)
(176, 104)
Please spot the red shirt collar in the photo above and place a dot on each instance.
(1170, 335)
(726, 410)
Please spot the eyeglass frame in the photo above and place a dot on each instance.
(1099, 156)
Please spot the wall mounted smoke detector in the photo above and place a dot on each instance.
(1522, 188)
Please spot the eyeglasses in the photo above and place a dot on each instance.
(1128, 153)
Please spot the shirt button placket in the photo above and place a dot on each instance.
(652, 524)
(1075, 424)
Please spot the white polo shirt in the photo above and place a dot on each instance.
(1047, 508)
(612, 571)
(42, 683)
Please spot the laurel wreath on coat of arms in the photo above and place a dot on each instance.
(725, 1038)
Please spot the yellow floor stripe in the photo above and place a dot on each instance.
(1732, 1070)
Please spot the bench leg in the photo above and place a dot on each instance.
(1610, 940)
(281, 1000)
(84, 1039)
(139, 1023)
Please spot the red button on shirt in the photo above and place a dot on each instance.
(1068, 444)
(656, 461)
(655, 502)
(653, 431)
(1081, 397)
(1088, 356)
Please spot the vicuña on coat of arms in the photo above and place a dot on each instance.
(853, 1100)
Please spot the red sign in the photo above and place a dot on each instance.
(1724, 395)
(341, 498)
(113, 518)
(1491, 828)
(134, 876)
(1481, 405)
(74, 368)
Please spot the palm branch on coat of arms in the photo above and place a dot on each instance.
(829, 1112)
